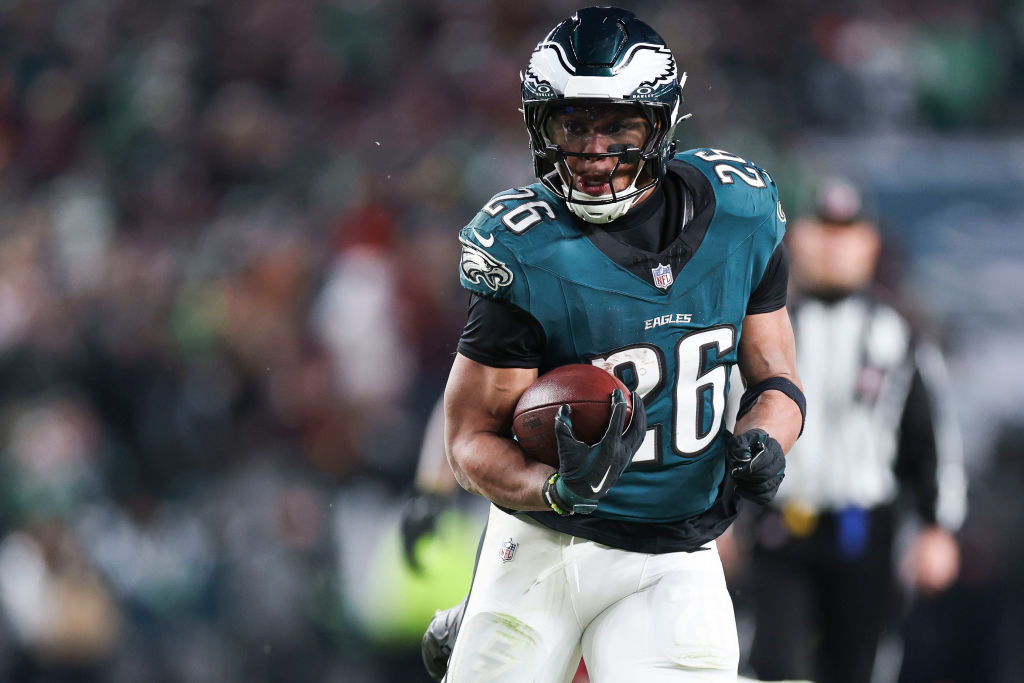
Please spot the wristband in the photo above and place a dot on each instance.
(552, 498)
(782, 384)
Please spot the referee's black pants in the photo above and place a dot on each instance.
(822, 600)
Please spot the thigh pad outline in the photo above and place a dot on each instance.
(497, 648)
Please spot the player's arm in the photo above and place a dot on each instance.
(771, 410)
(479, 402)
(767, 352)
(499, 350)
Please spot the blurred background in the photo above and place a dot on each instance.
(229, 296)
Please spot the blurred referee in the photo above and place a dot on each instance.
(878, 442)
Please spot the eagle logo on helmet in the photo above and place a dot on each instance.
(645, 69)
(645, 59)
(479, 267)
(548, 72)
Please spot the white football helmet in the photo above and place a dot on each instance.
(602, 56)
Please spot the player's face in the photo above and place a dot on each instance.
(592, 130)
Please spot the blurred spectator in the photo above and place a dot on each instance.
(62, 615)
(225, 234)
(879, 442)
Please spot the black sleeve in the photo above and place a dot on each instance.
(501, 335)
(770, 294)
(917, 455)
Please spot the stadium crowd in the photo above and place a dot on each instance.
(228, 293)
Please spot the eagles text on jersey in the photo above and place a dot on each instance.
(671, 337)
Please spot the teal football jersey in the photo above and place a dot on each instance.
(672, 338)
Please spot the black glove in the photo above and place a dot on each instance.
(439, 640)
(419, 518)
(757, 464)
(585, 473)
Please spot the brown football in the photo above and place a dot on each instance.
(588, 391)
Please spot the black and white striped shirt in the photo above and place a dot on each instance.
(878, 414)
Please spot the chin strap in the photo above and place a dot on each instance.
(603, 213)
(605, 208)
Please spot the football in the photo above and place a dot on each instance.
(588, 391)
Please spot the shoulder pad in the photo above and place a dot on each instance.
(742, 188)
(486, 267)
(519, 210)
(495, 240)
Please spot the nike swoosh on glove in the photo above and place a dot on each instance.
(586, 473)
(757, 465)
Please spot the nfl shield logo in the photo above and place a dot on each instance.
(662, 276)
(508, 550)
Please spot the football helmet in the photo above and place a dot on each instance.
(602, 57)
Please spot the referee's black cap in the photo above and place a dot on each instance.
(840, 201)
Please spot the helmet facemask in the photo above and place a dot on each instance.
(602, 56)
(562, 131)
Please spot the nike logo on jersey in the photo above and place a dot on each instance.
(480, 238)
(600, 484)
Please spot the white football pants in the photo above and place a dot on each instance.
(540, 599)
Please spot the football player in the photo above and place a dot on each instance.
(665, 269)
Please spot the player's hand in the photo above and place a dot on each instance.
(757, 464)
(418, 519)
(586, 473)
